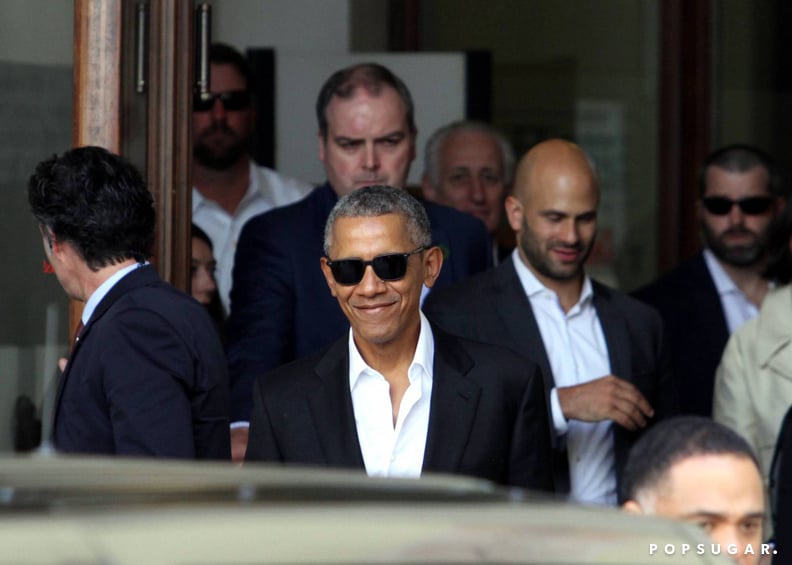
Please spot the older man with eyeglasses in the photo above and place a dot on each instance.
(704, 300)
(397, 396)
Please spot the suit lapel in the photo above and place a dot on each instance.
(708, 302)
(518, 318)
(453, 409)
(617, 336)
(331, 403)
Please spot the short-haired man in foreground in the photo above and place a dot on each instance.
(281, 308)
(147, 374)
(397, 396)
(697, 470)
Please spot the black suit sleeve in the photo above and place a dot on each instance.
(145, 387)
(261, 325)
(261, 442)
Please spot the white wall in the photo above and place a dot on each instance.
(436, 82)
(288, 25)
(36, 31)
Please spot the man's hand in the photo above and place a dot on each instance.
(607, 398)
(239, 440)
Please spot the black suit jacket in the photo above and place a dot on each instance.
(781, 492)
(492, 307)
(147, 377)
(281, 308)
(695, 327)
(488, 416)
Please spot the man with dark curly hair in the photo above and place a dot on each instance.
(147, 374)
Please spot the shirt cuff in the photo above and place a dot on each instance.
(559, 422)
(240, 424)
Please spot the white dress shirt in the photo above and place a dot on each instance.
(388, 450)
(577, 351)
(267, 190)
(736, 306)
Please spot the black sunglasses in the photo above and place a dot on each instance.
(389, 267)
(233, 100)
(720, 206)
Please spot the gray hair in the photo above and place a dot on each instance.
(378, 200)
(436, 141)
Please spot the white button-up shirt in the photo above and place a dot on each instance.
(736, 306)
(577, 351)
(388, 450)
(267, 190)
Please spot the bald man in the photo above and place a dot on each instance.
(601, 352)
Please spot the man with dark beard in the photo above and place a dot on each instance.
(601, 352)
(229, 187)
(709, 296)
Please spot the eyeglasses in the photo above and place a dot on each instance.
(389, 267)
(232, 100)
(754, 205)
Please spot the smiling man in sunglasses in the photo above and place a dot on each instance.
(708, 297)
(280, 307)
(397, 396)
(229, 187)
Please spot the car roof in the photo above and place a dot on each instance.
(119, 511)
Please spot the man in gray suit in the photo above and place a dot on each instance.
(396, 396)
(601, 352)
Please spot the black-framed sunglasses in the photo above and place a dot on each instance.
(388, 267)
(231, 101)
(753, 205)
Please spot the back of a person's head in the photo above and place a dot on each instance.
(372, 77)
(671, 441)
(96, 201)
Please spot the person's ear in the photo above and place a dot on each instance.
(514, 213)
(328, 275)
(632, 507)
(433, 263)
(320, 138)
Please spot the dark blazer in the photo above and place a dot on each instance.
(695, 327)
(488, 417)
(147, 377)
(781, 492)
(281, 308)
(492, 307)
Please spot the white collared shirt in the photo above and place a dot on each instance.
(390, 451)
(736, 306)
(578, 353)
(268, 189)
(102, 290)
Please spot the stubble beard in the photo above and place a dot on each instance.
(219, 156)
(744, 255)
(540, 259)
